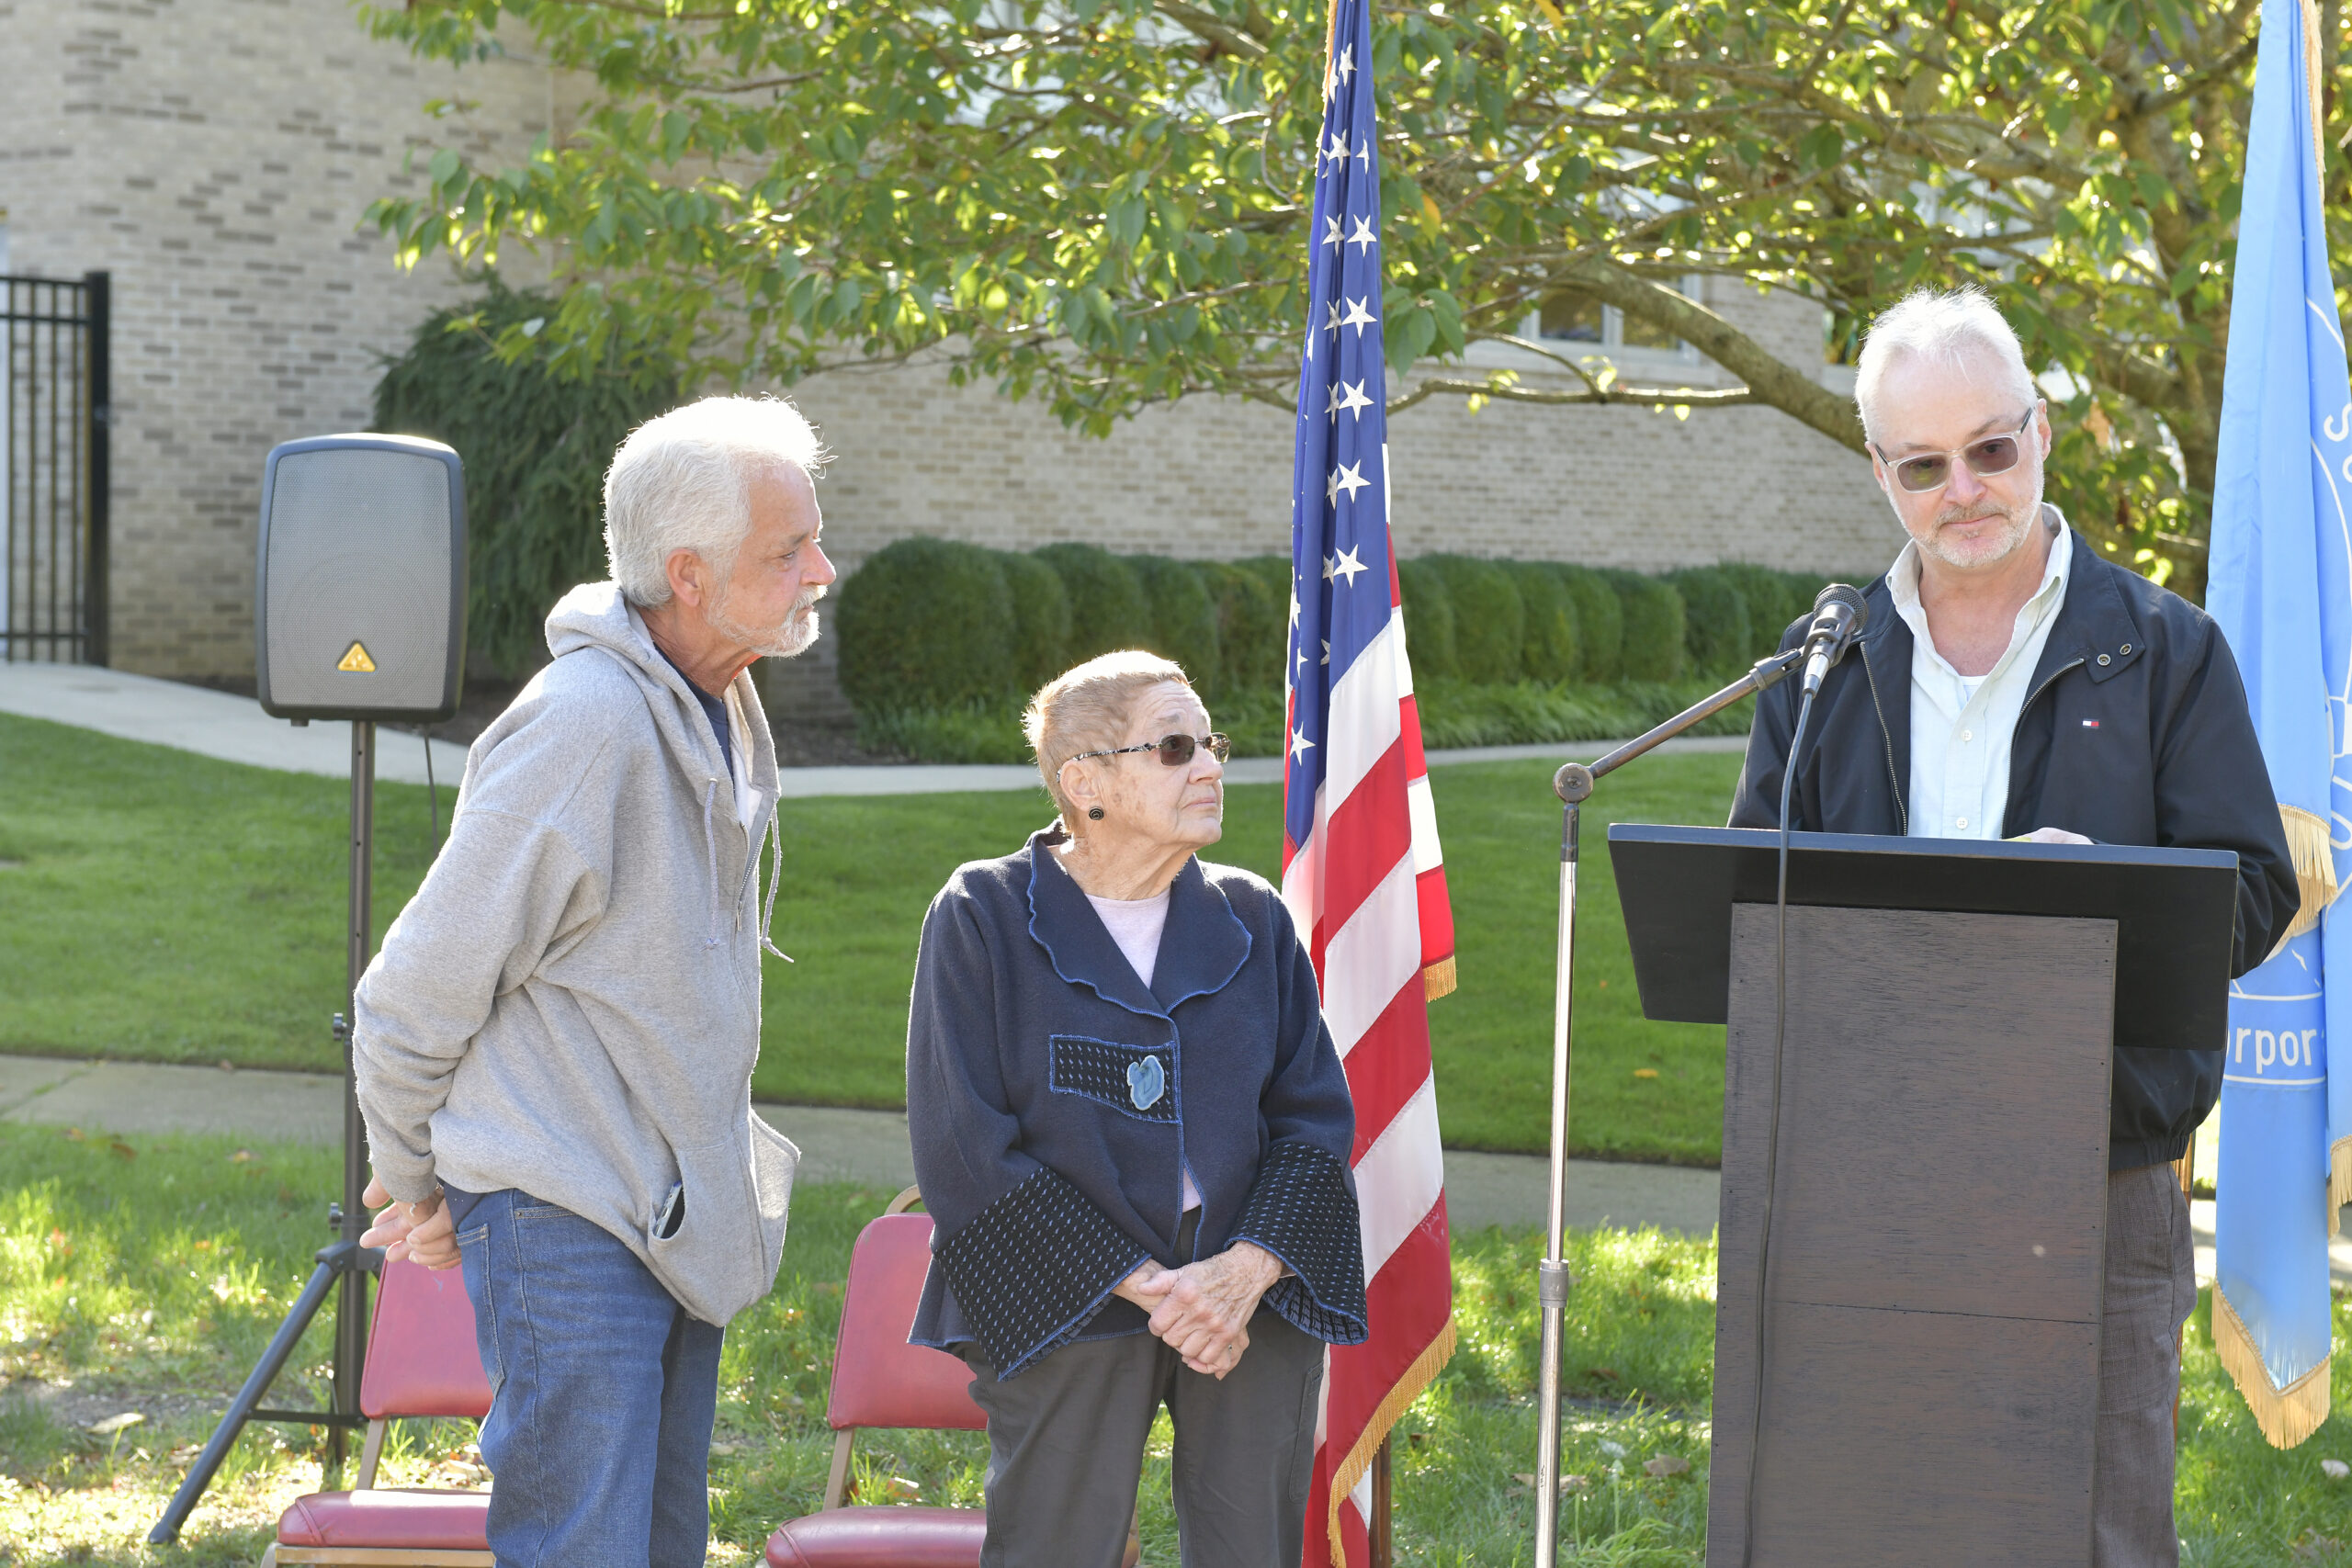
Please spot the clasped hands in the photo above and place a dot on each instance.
(422, 1232)
(1202, 1310)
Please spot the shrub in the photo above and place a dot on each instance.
(1489, 627)
(536, 445)
(1107, 607)
(926, 624)
(1252, 622)
(1718, 638)
(1654, 627)
(1774, 599)
(1428, 620)
(1601, 624)
(1040, 619)
(1549, 647)
(1183, 624)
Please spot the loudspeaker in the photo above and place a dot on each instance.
(360, 606)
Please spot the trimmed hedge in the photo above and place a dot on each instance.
(1253, 621)
(1551, 644)
(1654, 628)
(1041, 620)
(1601, 625)
(1429, 619)
(940, 642)
(1718, 636)
(926, 624)
(1489, 626)
(1183, 617)
(1107, 607)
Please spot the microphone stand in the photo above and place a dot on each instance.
(1573, 784)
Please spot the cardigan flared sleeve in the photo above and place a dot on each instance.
(1028, 1257)
(1302, 1207)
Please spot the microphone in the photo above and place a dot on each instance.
(1839, 616)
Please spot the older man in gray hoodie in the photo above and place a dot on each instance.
(554, 1048)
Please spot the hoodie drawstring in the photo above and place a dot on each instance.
(775, 880)
(710, 854)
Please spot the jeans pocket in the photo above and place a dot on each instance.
(473, 1260)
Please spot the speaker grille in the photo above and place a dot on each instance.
(358, 553)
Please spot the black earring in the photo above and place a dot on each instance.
(1094, 813)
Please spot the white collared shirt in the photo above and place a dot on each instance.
(1962, 726)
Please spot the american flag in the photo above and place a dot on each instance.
(1360, 868)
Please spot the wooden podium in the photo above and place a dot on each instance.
(1929, 1344)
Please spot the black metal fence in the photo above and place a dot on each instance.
(54, 396)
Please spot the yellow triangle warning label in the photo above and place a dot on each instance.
(355, 662)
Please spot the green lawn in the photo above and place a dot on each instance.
(163, 905)
(144, 1278)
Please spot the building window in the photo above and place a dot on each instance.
(1570, 317)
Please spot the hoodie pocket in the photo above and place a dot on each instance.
(724, 1225)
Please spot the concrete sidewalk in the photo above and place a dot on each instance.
(233, 728)
(215, 724)
(142, 1100)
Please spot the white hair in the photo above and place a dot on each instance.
(682, 482)
(1951, 330)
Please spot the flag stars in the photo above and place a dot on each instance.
(1347, 63)
(1348, 476)
(1330, 230)
(1345, 567)
(1299, 746)
(1353, 402)
(1362, 236)
(1332, 322)
(1338, 151)
(1359, 315)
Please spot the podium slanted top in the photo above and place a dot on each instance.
(2176, 911)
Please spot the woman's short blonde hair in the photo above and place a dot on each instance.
(1089, 708)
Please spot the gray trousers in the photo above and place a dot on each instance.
(1066, 1442)
(2151, 1290)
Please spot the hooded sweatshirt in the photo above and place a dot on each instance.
(571, 1004)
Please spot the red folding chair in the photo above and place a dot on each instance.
(422, 1361)
(880, 1380)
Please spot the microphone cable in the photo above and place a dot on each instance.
(1772, 1133)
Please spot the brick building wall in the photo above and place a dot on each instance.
(217, 156)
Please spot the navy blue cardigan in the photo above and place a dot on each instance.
(1055, 1102)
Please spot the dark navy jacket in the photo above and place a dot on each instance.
(2134, 731)
(1054, 1103)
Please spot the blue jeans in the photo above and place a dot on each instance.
(602, 1394)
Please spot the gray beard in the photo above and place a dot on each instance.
(2021, 526)
(795, 637)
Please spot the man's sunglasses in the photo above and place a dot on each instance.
(1932, 470)
(1175, 751)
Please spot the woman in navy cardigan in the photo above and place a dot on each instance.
(1132, 1131)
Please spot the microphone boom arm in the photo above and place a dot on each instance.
(1769, 672)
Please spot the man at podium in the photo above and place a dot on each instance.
(2011, 681)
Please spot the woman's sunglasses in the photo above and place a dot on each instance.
(1932, 470)
(1175, 751)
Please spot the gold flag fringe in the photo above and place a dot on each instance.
(2314, 858)
(2339, 1184)
(2312, 80)
(1438, 979)
(2287, 1415)
(1350, 1469)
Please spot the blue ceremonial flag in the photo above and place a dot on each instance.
(2280, 585)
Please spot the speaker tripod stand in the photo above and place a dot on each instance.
(343, 1266)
